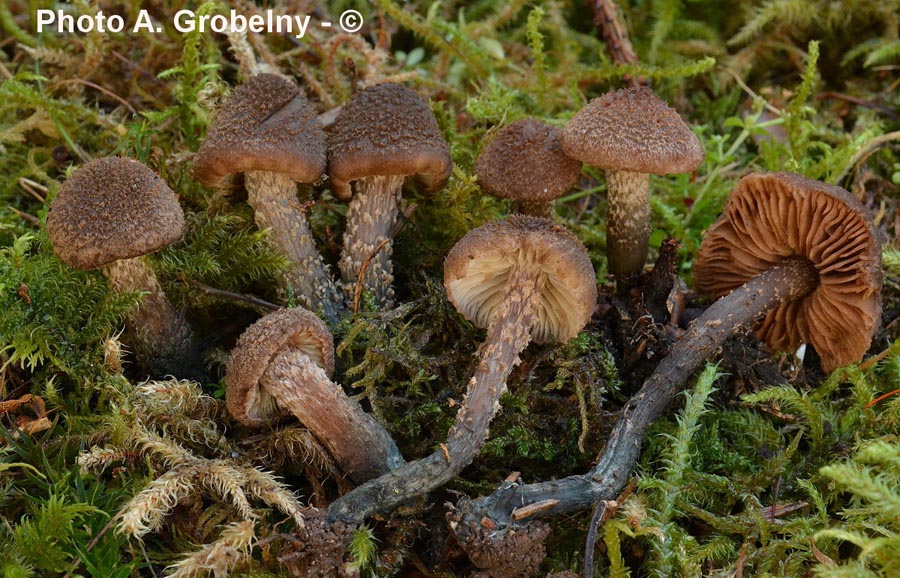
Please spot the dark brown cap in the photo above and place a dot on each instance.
(386, 130)
(524, 162)
(770, 217)
(476, 270)
(266, 125)
(298, 328)
(112, 208)
(632, 130)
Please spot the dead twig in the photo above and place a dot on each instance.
(740, 82)
(255, 301)
(93, 543)
(96, 87)
(869, 148)
(30, 218)
(357, 291)
(603, 511)
(34, 188)
(615, 34)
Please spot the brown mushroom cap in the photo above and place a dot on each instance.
(257, 346)
(112, 208)
(524, 162)
(266, 125)
(632, 130)
(770, 217)
(478, 266)
(386, 130)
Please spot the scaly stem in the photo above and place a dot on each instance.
(791, 279)
(163, 341)
(360, 446)
(274, 200)
(508, 335)
(628, 222)
(370, 220)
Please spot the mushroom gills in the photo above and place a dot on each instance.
(484, 288)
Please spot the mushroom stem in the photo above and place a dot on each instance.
(543, 209)
(163, 341)
(508, 335)
(792, 278)
(360, 446)
(628, 222)
(370, 219)
(273, 197)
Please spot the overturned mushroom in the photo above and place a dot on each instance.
(524, 163)
(107, 215)
(269, 132)
(631, 134)
(382, 135)
(774, 220)
(524, 279)
(798, 245)
(282, 365)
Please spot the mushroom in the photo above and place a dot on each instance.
(107, 215)
(268, 131)
(282, 365)
(524, 162)
(382, 135)
(815, 251)
(800, 252)
(524, 279)
(630, 133)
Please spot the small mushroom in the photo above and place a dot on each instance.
(107, 215)
(525, 279)
(268, 131)
(631, 134)
(382, 135)
(524, 162)
(812, 252)
(282, 365)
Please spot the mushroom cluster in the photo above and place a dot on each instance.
(796, 258)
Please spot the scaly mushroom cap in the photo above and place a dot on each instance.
(524, 162)
(477, 268)
(112, 208)
(770, 217)
(386, 130)
(266, 125)
(632, 130)
(298, 328)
